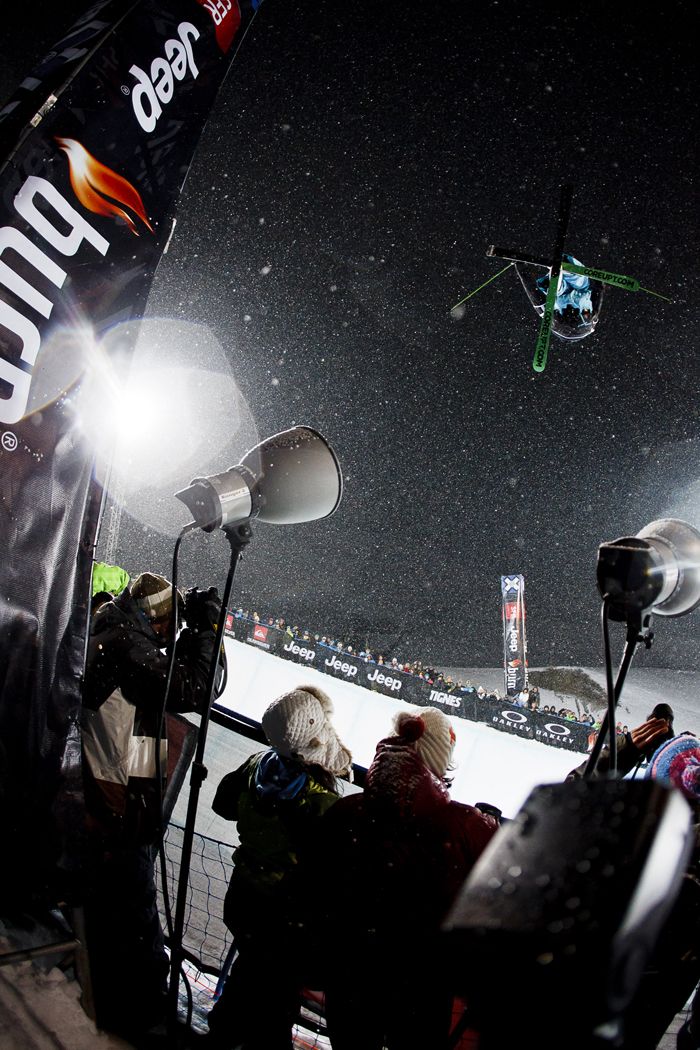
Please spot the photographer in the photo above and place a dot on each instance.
(123, 717)
(635, 748)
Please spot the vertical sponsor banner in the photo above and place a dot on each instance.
(514, 641)
(103, 135)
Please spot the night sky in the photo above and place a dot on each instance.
(359, 160)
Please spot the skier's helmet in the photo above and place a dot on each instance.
(572, 323)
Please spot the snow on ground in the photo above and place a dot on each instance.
(647, 686)
(40, 1010)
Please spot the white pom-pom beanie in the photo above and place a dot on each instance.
(436, 743)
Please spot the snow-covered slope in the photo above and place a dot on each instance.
(492, 766)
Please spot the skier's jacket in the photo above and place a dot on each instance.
(123, 695)
(578, 302)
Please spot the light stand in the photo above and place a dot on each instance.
(636, 634)
(291, 477)
(238, 536)
(657, 571)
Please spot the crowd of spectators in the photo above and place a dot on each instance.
(528, 698)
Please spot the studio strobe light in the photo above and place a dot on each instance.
(658, 571)
(291, 477)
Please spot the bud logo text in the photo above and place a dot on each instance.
(50, 222)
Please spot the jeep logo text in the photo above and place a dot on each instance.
(151, 93)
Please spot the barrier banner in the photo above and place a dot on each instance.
(514, 642)
(501, 714)
(535, 725)
(258, 635)
(98, 143)
(462, 704)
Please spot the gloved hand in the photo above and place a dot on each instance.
(202, 608)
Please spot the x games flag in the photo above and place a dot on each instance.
(514, 641)
(97, 143)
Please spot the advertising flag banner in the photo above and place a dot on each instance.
(514, 641)
(96, 145)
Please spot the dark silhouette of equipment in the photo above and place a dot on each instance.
(551, 932)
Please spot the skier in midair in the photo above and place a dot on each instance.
(578, 302)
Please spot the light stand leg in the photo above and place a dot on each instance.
(238, 537)
(634, 637)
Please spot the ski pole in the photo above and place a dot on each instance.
(481, 286)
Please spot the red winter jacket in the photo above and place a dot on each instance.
(389, 862)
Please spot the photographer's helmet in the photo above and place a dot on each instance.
(573, 323)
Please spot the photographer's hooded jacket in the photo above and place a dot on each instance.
(123, 696)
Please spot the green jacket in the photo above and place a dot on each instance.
(276, 803)
(110, 578)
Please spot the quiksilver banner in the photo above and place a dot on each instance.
(102, 136)
(498, 713)
(514, 640)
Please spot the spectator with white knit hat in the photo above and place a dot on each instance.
(277, 798)
(436, 743)
(388, 863)
(298, 726)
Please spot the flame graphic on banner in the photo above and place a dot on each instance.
(94, 183)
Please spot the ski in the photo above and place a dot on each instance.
(629, 284)
(515, 256)
(539, 361)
